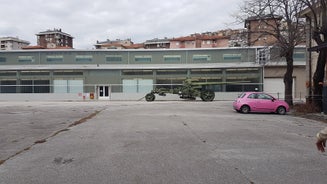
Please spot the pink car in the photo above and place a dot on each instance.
(259, 102)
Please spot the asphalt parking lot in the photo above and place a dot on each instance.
(157, 142)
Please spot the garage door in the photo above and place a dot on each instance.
(275, 87)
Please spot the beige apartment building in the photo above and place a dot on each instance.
(12, 43)
(199, 41)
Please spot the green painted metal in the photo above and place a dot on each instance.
(189, 90)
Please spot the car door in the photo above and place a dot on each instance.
(265, 103)
(252, 101)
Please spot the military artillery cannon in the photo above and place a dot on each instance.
(189, 90)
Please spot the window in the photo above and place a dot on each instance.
(68, 86)
(137, 72)
(8, 86)
(2, 59)
(34, 73)
(232, 56)
(253, 96)
(263, 55)
(35, 86)
(242, 71)
(137, 85)
(172, 72)
(201, 58)
(145, 58)
(84, 58)
(68, 72)
(206, 71)
(264, 96)
(114, 58)
(7, 73)
(41, 86)
(241, 95)
(25, 59)
(299, 55)
(55, 58)
(172, 58)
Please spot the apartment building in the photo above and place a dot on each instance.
(258, 29)
(12, 43)
(157, 43)
(205, 40)
(55, 38)
(117, 44)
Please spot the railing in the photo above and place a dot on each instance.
(128, 91)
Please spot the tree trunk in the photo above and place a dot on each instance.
(288, 78)
(318, 79)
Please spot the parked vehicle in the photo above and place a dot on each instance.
(189, 90)
(259, 102)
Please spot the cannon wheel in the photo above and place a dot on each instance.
(207, 95)
(150, 97)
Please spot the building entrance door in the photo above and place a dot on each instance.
(103, 92)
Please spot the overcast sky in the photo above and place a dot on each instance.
(91, 20)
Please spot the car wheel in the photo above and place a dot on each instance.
(150, 97)
(245, 109)
(281, 110)
(207, 95)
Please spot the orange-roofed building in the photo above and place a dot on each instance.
(205, 40)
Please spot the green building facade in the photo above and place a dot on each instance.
(106, 72)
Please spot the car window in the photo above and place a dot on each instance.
(253, 96)
(241, 95)
(264, 96)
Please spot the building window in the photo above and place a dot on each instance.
(201, 58)
(84, 58)
(67, 72)
(8, 86)
(172, 58)
(2, 59)
(243, 79)
(263, 55)
(114, 58)
(137, 85)
(35, 86)
(172, 72)
(25, 59)
(206, 72)
(137, 72)
(146, 58)
(299, 55)
(55, 58)
(7, 73)
(232, 57)
(34, 73)
(68, 86)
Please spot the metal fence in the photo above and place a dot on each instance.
(110, 90)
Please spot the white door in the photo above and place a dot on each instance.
(103, 92)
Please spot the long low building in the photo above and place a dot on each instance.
(127, 74)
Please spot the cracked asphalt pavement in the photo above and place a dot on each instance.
(158, 142)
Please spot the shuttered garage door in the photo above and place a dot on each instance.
(275, 87)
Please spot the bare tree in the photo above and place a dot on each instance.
(316, 13)
(283, 23)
